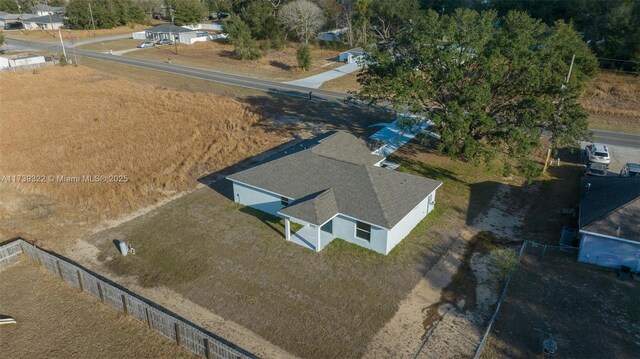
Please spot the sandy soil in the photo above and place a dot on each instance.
(453, 326)
(55, 320)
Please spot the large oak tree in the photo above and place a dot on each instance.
(489, 84)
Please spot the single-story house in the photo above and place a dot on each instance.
(43, 10)
(352, 55)
(334, 187)
(609, 222)
(48, 22)
(171, 32)
(332, 35)
(20, 60)
(13, 21)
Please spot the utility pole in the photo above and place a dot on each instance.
(93, 24)
(563, 88)
(21, 16)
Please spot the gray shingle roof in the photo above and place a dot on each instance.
(46, 19)
(168, 28)
(609, 203)
(316, 208)
(339, 162)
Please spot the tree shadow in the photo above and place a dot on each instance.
(332, 115)
(480, 199)
(228, 54)
(281, 65)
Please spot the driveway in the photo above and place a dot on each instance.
(620, 155)
(316, 81)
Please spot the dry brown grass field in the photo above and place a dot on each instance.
(612, 102)
(55, 320)
(80, 122)
(279, 65)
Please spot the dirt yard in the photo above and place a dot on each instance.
(590, 312)
(278, 65)
(55, 320)
(204, 243)
(115, 45)
(107, 146)
(612, 102)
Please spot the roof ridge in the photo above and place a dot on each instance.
(376, 196)
(322, 193)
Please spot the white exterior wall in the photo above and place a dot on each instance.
(43, 26)
(609, 252)
(4, 62)
(408, 223)
(345, 228)
(258, 199)
(140, 35)
(192, 40)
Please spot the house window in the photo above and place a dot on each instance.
(363, 231)
(284, 201)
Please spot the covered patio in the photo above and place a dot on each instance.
(310, 235)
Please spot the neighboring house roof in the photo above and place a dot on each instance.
(356, 51)
(46, 19)
(43, 7)
(168, 28)
(9, 17)
(335, 173)
(608, 204)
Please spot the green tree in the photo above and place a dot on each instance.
(1, 37)
(106, 13)
(186, 12)
(488, 84)
(244, 46)
(304, 57)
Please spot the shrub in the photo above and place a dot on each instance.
(504, 260)
(304, 57)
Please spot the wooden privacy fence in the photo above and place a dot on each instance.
(185, 334)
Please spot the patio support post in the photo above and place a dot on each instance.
(287, 229)
(318, 244)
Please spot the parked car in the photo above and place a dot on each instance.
(597, 153)
(596, 169)
(142, 45)
(222, 15)
(163, 42)
(630, 170)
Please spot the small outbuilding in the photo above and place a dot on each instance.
(20, 60)
(609, 222)
(351, 56)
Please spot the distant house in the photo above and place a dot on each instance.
(171, 32)
(48, 22)
(335, 188)
(43, 10)
(332, 35)
(352, 55)
(609, 222)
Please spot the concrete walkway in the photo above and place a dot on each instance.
(316, 81)
(395, 137)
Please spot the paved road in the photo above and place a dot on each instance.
(606, 137)
(616, 138)
(221, 77)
